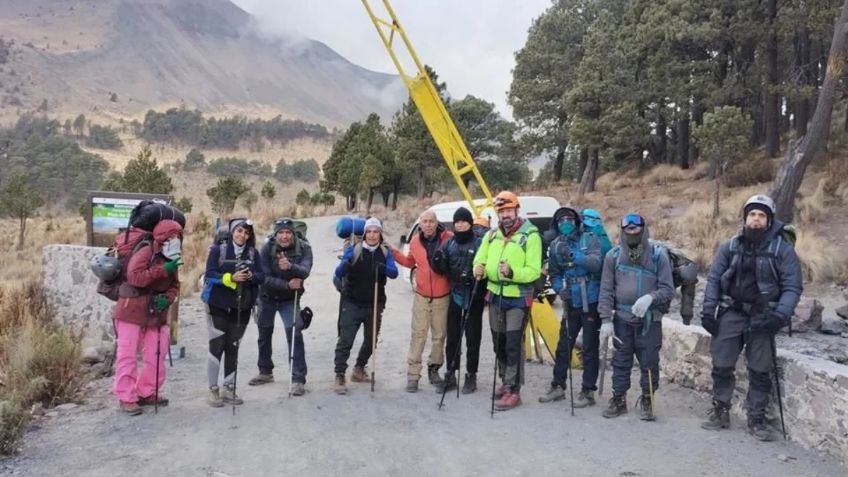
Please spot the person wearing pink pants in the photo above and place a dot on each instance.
(150, 286)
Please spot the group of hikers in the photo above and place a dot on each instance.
(617, 293)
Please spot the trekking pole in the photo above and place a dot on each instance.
(158, 357)
(569, 370)
(462, 323)
(497, 346)
(293, 343)
(777, 386)
(238, 343)
(374, 330)
(603, 366)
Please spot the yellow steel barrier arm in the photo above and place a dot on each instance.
(432, 109)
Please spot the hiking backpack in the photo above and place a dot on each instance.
(123, 252)
(656, 251)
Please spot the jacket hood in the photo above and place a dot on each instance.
(163, 231)
(624, 255)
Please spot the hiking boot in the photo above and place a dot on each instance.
(339, 385)
(759, 429)
(298, 389)
(617, 406)
(555, 392)
(508, 401)
(503, 389)
(151, 401)
(449, 382)
(470, 383)
(719, 417)
(229, 396)
(359, 375)
(131, 408)
(646, 413)
(261, 379)
(412, 385)
(586, 398)
(214, 398)
(433, 375)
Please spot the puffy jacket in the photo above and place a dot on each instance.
(521, 249)
(623, 282)
(779, 279)
(359, 274)
(146, 277)
(573, 260)
(428, 282)
(456, 260)
(221, 296)
(275, 286)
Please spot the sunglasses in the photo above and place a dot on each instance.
(634, 220)
(566, 219)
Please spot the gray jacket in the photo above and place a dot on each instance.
(623, 282)
(779, 276)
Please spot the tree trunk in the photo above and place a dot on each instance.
(584, 161)
(370, 200)
(717, 197)
(698, 119)
(771, 106)
(559, 160)
(22, 232)
(662, 139)
(800, 153)
(587, 183)
(683, 140)
(802, 63)
(396, 187)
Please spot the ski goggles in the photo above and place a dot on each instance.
(246, 224)
(566, 218)
(632, 220)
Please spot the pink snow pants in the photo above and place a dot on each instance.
(130, 383)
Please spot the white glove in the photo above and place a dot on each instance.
(641, 306)
(605, 331)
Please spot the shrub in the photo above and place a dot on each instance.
(749, 172)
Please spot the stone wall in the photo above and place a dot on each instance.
(814, 390)
(70, 288)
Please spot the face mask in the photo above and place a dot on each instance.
(172, 249)
(463, 237)
(632, 240)
(566, 227)
(591, 222)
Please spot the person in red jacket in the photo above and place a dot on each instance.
(141, 315)
(432, 297)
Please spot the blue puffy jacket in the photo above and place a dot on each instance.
(573, 259)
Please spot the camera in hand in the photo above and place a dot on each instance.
(243, 265)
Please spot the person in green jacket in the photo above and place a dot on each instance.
(510, 258)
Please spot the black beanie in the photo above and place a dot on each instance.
(463, 215)
(763, 209)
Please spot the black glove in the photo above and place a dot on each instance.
(709, 323)
(768, 322)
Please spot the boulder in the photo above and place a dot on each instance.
(842, 312)
(808, 316)
(831, 325)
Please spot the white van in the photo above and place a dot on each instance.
(538, 209)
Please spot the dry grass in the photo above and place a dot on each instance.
(39, 360)
(821, 261)
(665, 174)
(813, 208)
(40, 231)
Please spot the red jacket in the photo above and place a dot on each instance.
(428, 283)
(146, 273)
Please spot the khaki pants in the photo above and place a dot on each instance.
(432, 315)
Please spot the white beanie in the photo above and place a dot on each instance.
(373, 222)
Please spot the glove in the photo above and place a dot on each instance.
(769, 322)
(172, 265)
(160, 303)
(642, 305)
(578, 257)
(709, 323)
(687, 320)
(605, 331)
(227, 281)
(479, 270)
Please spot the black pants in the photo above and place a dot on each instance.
(225, 332)
(644, 346)
(354, 315)
(473, 335)
(590, 323)
(725, 348)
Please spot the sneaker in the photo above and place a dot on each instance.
(646, 413)
(433, 375)
(719, 417)
(759, 429)
(412, 385)
(130, 408)
(229, 396)
(470, 384)
(339, 385)
(617, 406)
(508, 401)
(586, 398)
(449, 383)
(359, 375)
(151, 401)
(214, 398)
(298, 389)
(503, 389)
(261, 379)
(555, 392)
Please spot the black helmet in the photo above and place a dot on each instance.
(105, 267)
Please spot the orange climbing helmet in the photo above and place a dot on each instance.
(506, 200)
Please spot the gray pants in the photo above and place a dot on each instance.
(508, 338)
(645, 347)
(725, 348)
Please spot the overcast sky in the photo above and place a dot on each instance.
(470, 43)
